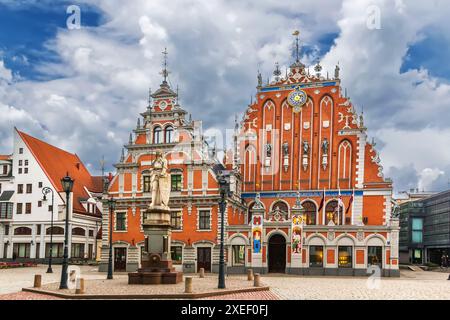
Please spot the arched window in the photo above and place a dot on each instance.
(78, 231)
(22, 231)
(168, 134)
(56, 230)
(333, 213)
(310, 212)
(157, 135)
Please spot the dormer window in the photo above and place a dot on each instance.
(157, 135)
(168, 134)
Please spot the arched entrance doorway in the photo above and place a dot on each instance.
(277, 253)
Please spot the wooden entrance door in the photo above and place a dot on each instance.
(277, 253)
(204, 259)
(120, 259)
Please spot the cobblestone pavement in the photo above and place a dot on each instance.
(411, 285)
(14, 279)
(259, 295)
(27, 296)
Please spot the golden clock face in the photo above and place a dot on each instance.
(297, 99)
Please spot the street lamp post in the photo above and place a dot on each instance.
(224, 187)
(45, 192)
(112, 204)
(67, 184)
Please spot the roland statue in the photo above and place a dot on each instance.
(160, 183)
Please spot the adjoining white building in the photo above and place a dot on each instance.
(25, 217)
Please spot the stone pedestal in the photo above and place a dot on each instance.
(156, 260)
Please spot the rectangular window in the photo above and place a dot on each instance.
(20, 170)
(28, 208)
(20, 188)
(417, 230)
(26, 162)
(25, 170)
(77, 250)
(316, 256)
(21, 250)
(40, 184)
(238, 255)
(38, 229)
(39, 204)
(175, 220)
(176, 182)
(147, 185)
(20, 162)
(5, 169)
(345, 254)
(29, 188)
(6, 209)
(121, 222)
(177, 254)
(204, 220)
(91, 233)
(20, 150)
(57, 250)
(375, 256)
(19, 208)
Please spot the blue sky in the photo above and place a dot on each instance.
(25, 30)
(399, 72)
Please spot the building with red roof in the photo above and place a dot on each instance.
(36, 166)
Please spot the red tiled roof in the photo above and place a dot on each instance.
(97, 184)
(56, 163)
(4, 156)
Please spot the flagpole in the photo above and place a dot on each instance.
(353, 205)
(323, 207)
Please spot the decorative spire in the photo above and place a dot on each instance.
(178, 94)
(259, 79)
(130, 141)
(296, 33)
(277, 72)
(138, 125)
(122, 156)
(165, 72)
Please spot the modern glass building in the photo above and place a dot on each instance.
(425, 229)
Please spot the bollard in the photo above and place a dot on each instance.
(250, 274)
(80, 286)
(188, 285)
(202, 272)
(256, 282)
(37, 280)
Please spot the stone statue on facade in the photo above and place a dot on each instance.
(305, 147)
(325, 145)
(160, 183)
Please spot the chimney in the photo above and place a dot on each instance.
(77, 165)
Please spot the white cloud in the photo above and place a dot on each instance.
(215, 49)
